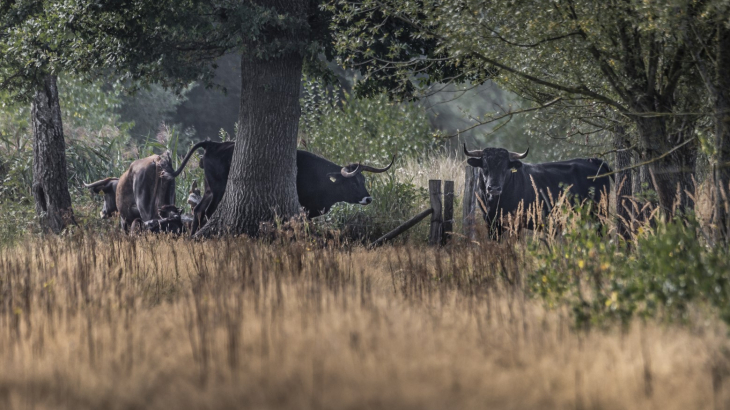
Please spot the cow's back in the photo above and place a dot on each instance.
(141, 189)
(576, 174)
(545, 183)
(125, 199)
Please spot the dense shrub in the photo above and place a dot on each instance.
(362, 130)
(604, 280)
(394, 202)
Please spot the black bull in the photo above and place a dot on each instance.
(320, 183)
(505, 182)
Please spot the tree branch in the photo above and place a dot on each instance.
(645, 162)
(506, 115)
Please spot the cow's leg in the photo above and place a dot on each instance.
(200, 213)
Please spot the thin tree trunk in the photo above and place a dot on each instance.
(262, 181)
(624, 183)
(50, 183)
(721, 163)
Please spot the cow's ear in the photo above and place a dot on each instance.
(475, 162)
(515, 165)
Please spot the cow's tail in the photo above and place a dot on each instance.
(174, 174)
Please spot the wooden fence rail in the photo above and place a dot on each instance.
(442, 216)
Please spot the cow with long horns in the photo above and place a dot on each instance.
(505, 182)
(139, 192)
(320, 183)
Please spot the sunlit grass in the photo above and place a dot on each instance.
(104, 321)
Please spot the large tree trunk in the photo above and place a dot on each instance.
(262, 181)
(624, 183)
(670, 174)
(721, 163)
(50, 184)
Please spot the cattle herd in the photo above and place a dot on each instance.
(144, 196)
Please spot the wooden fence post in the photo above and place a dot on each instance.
(448, 226)
(471, 178)
(437, 217)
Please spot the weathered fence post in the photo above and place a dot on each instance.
(437, 217)
(468, 211)
(448, 226)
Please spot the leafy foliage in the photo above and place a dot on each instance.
(604, 281)
(148, 108)
(596, 65)
(394, 202)
(362, 130)
(95, 148)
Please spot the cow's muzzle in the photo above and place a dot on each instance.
(366, 200)
(494, 190)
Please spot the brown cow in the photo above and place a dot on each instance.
(140, 191)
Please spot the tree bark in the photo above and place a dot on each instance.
(670, 175)
(624, 183)
(50, 183)
(721, 163)
(262, 181)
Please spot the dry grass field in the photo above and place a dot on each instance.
(100, 321)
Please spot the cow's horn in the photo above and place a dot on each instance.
(475, 153)
(378, 170)
(348, 174)
(100, 183)
(514, 155)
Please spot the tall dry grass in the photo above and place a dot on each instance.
(446, 166)
(108, 322)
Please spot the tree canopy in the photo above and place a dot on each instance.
(602, 63)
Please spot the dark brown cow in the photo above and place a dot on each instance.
(140, 192)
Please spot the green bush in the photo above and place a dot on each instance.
(352, 130)
(394, 202)
(665, 271)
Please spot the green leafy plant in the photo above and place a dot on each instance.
(604, 281)
(349, 129)
(394, 202)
